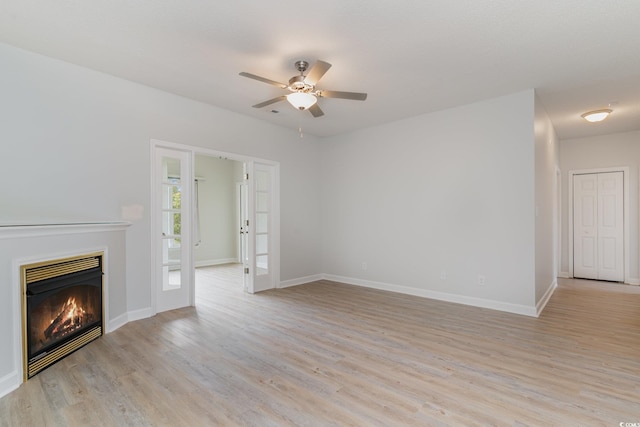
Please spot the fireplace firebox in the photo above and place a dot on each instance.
(63, 309)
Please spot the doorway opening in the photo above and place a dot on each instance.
(219, 232)
(211, 208)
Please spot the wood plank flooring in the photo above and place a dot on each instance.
(328, 354)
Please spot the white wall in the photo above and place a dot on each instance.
(621, 149)
(546, 155)
(450, 191)
(218, 206)
(75, 145)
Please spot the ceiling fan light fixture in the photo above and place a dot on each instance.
(304, 95)
(596, 115)
(301, 100)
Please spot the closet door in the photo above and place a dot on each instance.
(598, 235)
(585, 227)
(610, 227)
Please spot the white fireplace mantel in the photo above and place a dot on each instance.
(24, 243)
(17, 230)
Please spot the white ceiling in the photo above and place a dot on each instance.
(411, 57)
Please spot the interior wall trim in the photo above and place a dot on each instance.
(10, 382)
(212, 262)
(546, 297)
(301, 280)
(440, 296)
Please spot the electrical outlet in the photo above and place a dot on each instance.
(443, 275)
(364, 266)
(481, 279)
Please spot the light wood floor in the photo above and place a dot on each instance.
(330, 354)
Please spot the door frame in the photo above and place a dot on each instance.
(193, 151)
(557, 224)
(625, 198)
(239, 226)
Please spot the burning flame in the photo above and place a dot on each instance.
(69, 318)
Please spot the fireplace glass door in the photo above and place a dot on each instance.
(62, 308)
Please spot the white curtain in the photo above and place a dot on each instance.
(197, 216)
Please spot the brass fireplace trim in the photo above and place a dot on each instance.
(47, 270)
(68, 348)
(51, 269)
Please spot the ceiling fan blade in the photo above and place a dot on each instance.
(264, 80)
(316, 72)
(316, 111)
(270, 101)
(356, 96)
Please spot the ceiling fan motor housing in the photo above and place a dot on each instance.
(301, 66)
(297, 84)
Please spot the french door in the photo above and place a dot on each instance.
(260, 227)
(173, 188)
(598, 222)
(173, 228)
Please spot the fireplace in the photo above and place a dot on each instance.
(62, 309)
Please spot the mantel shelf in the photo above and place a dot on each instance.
(13, 231)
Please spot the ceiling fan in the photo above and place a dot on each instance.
(304, 95)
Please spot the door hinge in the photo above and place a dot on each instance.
(246, 176)
(246, 270)
(247, 222)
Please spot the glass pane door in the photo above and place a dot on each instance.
(263, 217)
(174, 184)
(171, 224)
(262, 231)
(244, 234)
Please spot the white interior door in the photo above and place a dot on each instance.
(262, 228)
(244, 231)
(610, 226)
(585, 229)
(598, 235)
(172, 228)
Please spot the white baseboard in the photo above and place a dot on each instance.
(564, 275)
(546, 297)
(211, 262)
(140, 314)
(441, 296)
(9, 382)
(300, 280)
(127, 317)
(117, 322)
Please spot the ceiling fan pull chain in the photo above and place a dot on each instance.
(300, 128)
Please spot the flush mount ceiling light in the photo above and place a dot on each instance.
(597, 115)
(301, 100)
